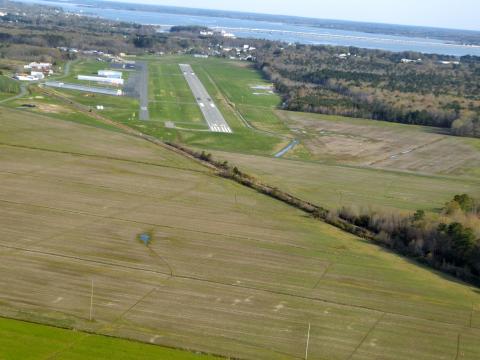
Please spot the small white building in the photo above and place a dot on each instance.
(227, 34)
(38, 75)
(38, 66)
(110, 74)
(408, 61)
(449, 62)
(24, 77)
(100, 79)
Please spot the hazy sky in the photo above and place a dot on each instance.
(462, 14)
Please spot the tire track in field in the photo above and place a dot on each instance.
(366, 335)
(327, 269)
(458, 346)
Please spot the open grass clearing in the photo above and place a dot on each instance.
(118, 108)
(50, 342)
(53, 108)
(228, 271)
(383, 145)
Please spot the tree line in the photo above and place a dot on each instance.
(408, 87)
(449, 242)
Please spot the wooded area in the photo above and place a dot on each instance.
(410, 88)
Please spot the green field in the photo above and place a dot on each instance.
(170, 96)
(335, 185)
(343, 161)
(228, 271)
(368, 164)
(59, 110)
(172, 101)
(21, 340)
(229, 84)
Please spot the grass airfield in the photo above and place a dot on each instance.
(229, 271)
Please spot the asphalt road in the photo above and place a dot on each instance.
(142, 68)
(210, 112)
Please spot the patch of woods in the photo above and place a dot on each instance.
(449, 241)
(410, 88)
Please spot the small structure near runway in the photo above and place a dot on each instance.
(101, 79)
(91, 89)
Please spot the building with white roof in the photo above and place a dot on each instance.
(110, 74)
(100, 79)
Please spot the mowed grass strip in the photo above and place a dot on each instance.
(22, 340)
(228, 271)
(170, 97)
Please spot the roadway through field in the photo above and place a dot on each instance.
(212, 115)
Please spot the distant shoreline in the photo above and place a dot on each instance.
(395, 38)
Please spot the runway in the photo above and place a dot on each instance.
(212, 115)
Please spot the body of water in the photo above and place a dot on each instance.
(276, 31)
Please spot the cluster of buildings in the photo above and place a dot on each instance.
(243, 53)
(35, 71)
(441, 62)
(222, 33)
(449, 62)
(101, 56)
(109, 77)
(410, 61)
